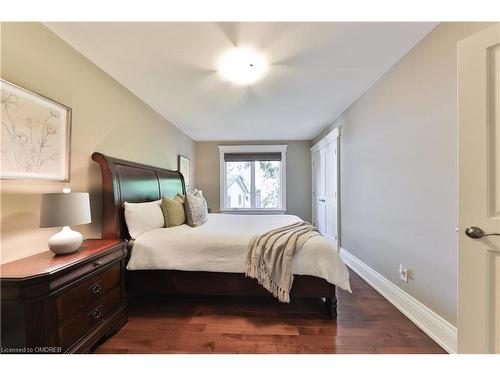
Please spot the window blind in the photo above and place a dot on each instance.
(254, 156)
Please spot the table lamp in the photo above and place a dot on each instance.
(62, 210)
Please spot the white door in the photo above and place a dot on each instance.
(325, 186)
(330, 231)
(319, 207)
(479, 192)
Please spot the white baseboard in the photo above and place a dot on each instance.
(439, 329)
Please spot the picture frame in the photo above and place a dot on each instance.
(36, 135)
(184, 166)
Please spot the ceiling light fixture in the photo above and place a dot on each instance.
(242, 66)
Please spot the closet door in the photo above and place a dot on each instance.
(319, 200)
(330, 196)
(325, 186)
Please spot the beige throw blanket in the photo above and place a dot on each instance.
(269, 258)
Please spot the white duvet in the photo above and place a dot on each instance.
(221, 244)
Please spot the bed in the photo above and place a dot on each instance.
(207, 260)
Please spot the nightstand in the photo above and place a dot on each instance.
(63, 303)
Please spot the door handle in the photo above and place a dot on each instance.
(476, 233)
(322, 200)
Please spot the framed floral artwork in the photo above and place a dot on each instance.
(36, 133)
(183, 166)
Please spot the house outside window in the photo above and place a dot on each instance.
(253, 178)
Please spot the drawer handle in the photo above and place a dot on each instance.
(96, 313)
(95, 288)
(98, 263)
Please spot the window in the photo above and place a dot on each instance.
(253, 178)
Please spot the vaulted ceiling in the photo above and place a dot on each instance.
(316, 71)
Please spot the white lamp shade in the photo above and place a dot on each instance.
(64, 209)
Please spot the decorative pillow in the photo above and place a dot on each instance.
(196, 193)
(173, 210)
(196, 210)
(143, 217)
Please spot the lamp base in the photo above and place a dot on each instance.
(66, 241)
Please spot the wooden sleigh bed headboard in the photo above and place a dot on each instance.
(127, 181)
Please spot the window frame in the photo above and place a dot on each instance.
(252, 149)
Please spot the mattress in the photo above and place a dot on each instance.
(220, 245)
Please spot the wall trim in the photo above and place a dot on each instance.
(438, 328)
(328, 138)
(338, 123)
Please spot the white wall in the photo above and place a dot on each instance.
(399, 171)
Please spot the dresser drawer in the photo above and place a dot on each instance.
(87, 291)
(78, 324)
(87, 268)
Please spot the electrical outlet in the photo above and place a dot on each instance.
(403, 273)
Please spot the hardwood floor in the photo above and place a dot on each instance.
(366, 323)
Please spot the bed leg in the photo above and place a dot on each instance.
(331, 303)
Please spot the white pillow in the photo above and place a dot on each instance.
(143, 217)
